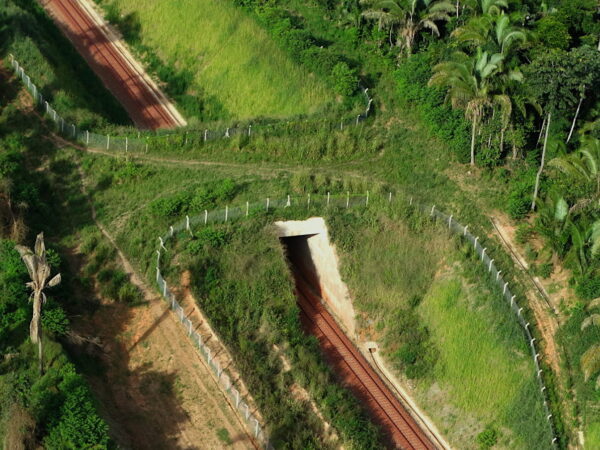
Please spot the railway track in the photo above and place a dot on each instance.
(357, 374)
(127, 83)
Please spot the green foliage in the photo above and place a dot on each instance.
(55, 320)
(194, 200)
(224, 436)
(14, 309)
(345, 79)
(520, 194)
(588, 287)
(207, 237)
(438, 118)
(553, 33)
(76, 424)
(487, 438)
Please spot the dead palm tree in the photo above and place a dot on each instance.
(39, 272)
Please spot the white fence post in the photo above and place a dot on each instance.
(367, 200)
(205, 216)
(226, 212)
(107, 142)
(347, 199)
(205, 133)
(267, 204)
(328, 198)
(247, 208)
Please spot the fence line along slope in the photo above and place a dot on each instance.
(330, 204)
(145, 103)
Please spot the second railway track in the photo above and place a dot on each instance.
(118, 74)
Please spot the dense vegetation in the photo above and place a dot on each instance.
(54, 408)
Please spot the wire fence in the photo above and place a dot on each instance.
(142, 142)
(340, 202)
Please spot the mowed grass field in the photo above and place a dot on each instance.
(232, 57)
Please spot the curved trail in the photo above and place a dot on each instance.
(145, 103)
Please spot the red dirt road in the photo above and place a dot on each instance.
(357, 374)
(145, 103)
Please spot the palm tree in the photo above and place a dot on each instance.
(495, 33)
(39, 272)
(582, 166)
(470, 86)
(409, 17)
(487, 7)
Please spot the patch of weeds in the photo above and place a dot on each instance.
(224, 437)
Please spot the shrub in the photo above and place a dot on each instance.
(544, 270)
(523, 233)
(519, 198)
(588, 287)
(345, 80)
(487, 438)
(172, 206)
(207, 237)
(553, 33)
(55, 320)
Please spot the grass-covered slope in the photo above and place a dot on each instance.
(444, 327)
(229, 56)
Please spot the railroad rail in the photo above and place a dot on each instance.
(143, 102)
(357, 374)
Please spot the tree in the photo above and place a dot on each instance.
(582, 166)
(39, 272)
(470, 86)
(553, 86)
(495, 33)
(584, 65)
(409, 17)
(487, 7)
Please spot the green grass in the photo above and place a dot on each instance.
(231, 56)
(441, 324)
(484, 367)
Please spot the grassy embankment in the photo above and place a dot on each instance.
(442, 308)
(228, 56)
(443, 326)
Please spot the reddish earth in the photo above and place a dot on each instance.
(356, 373)
(145, 103)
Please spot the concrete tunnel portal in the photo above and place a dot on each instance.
(326, 311)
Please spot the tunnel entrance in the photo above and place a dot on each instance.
(312, 260)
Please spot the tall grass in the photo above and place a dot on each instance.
(231, 56)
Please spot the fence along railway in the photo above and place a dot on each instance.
(144, 102)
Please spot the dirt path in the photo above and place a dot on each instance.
(545, 317)
(106, 54)
(155, 391)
